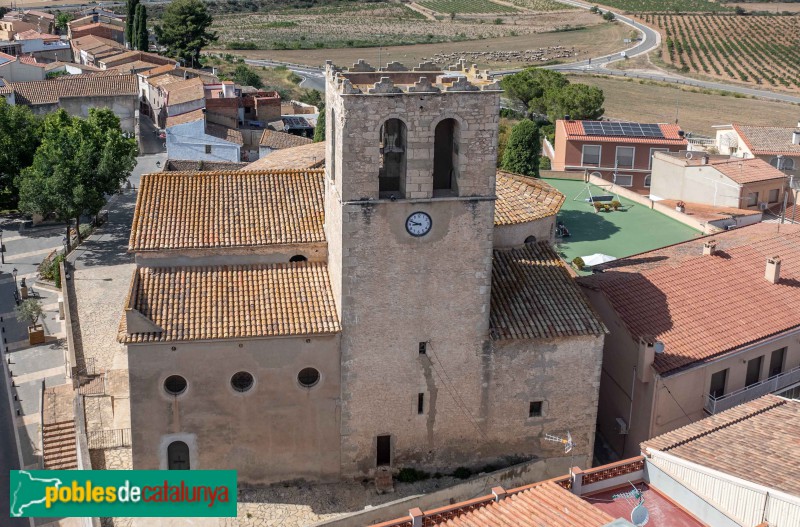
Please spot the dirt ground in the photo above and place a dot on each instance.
(601, 39)
(696, 112)
(771, 7)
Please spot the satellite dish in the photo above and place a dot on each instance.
(689, 155)
(640, 515)
(658, 347)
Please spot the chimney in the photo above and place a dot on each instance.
(773, 272)
(644, 363)
(704, 160)
(709, 248)
(796, 136)
(417, 517)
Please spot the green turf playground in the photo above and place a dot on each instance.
(620, 233)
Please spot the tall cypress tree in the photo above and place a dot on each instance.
(142, 40)
(130, 34)
(134, 40)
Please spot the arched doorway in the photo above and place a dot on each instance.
(178, 456)
(392, 173)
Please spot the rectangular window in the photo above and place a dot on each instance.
(773, 195)
(423, 348)
(591, 155)
(208, 149)
(420, 403)
(752, 199)
(776, 362)
(717, 388)
(625, 155)
(753, 371)
(653, 151)
(624, 180)
(535, 409)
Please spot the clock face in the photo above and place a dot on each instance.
(418, 224)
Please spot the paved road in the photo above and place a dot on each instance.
(313, 78)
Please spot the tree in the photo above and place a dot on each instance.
(29, 311)
(533, 87)
(244, 76)
(521, 155)
(142, 38)
(62, 19)
(19, 138)
(134, 40)
(319, 131)
(579, 101)
(130, 15)
(184, 29)
(79, 163)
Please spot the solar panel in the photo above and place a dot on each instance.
(607, 128)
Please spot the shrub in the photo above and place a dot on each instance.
(578, 263)
(597, 206)
(615, 204)
(462, 473)
(498, 21)
(521, 154)
(412, 475)
(29, 311)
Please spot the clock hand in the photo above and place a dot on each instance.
(416, 224)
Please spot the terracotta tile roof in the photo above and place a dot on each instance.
(87, 85)
(703, 212)
(177, 210)
(542, 504)
(744, 171)
(158, 71)
(280, 140)
(187, 117)
(30, 61)
(83, 67)
(185, 91)
(768, 140)
(522, 199)
(186, 165)
(575, 132)
(223, 132)
(232, 302)
(534, 296)
(33, 34)
(297, 157)
(756, 441)
(90, 42)
(663, 294)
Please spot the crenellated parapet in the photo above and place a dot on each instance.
(395, 78)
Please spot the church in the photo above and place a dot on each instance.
(401, 307)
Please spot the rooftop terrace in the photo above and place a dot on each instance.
(631, 230)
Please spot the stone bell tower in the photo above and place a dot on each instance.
(409, 203)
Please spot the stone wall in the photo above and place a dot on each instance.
(123, 106)
(314, 252)
(276, 431)
(515, 235)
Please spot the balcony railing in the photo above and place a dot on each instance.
(754, 391)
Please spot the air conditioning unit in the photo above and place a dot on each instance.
(621, 426)
(762, 205)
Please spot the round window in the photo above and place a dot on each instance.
(242, 381)
(175, 385)
(308, 377)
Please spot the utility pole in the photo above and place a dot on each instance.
(2, 249)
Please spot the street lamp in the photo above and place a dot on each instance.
(16, 291)
(2, 249)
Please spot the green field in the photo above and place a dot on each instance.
(465, 6)
(621, 233)
(666, 6)
(541, 5)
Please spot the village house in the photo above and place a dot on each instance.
(778, 146)
(696, 328)
(717, 180)
(156, 84)
(404, 305)
(620, 153)
(16, 69)
(90, 49)
(190, 136)
(77, 94)
(272, 141)
(99, 25)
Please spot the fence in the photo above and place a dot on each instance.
(116, 438)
